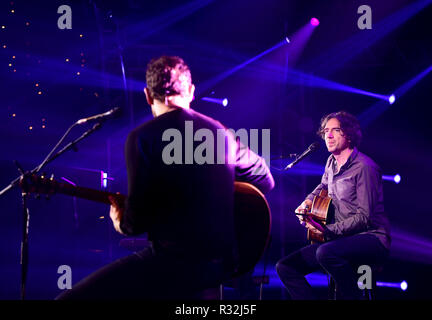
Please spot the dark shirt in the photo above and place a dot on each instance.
(357, 197)
(186, 208)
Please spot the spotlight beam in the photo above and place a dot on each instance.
(145, 29)
(297, 43)
(212, 82)
(292, 76)
(396, 178)
(223, 102)
(400, 285)
(374, 111)
(299, 40)
(347, 50)
(297, 77)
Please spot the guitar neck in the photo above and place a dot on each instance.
(85, 193)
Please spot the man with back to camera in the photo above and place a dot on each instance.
(360, 233)
(186, 209)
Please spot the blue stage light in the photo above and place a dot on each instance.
(223, 102)
(397, 178)
(401, 285)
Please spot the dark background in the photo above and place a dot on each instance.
(213, 37)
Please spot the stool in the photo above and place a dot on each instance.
(255, 281)
(261, 280)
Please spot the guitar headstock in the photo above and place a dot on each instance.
(35, 184)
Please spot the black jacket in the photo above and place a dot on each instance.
(183, 206)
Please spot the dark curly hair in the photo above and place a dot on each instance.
(349, 126)
(167, 76)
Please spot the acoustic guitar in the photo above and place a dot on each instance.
(321, 211)
(252, 217)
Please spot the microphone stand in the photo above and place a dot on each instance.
(39, 167)
(22, 181)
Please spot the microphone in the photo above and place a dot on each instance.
(311, 148)
(98, 116)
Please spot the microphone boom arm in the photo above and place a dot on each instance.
(310, 149)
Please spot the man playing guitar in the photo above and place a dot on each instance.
(359, 234)
(186, 209)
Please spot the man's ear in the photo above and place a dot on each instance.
(192, 92)
(149, 97)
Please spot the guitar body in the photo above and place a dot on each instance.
(321, 211)
(252, 219)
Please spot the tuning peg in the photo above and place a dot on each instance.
(52, 177)
(20, 169)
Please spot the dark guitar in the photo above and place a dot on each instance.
(321, 212)
(252, 216)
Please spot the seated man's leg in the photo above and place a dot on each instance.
(340, 258)
(120, 279)
(293, 268)
(147, 275)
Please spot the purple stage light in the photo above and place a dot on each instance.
(402, 285)
(345, 51)
(411, 247)
(207, 85)
(374, 111)
(318, 279)
(68, 181)
(396, 178)
(318, 82)
(223, 102)
(104, 179)
(315, 22)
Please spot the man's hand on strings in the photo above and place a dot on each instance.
(314, 226)
(116, 211)
(302, 209)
